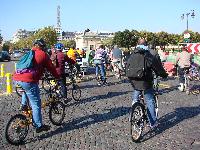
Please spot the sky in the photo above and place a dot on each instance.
(99, 15)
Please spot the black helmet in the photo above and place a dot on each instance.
(40, 42)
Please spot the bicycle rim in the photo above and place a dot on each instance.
(57, 113)
(17, 129)
(76, 92)
(137, 121)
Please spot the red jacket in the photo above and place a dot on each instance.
(41, 61)
(61, 59)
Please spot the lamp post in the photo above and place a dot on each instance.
(87, 30)
(187, 14)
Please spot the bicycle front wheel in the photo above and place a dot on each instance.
(57, 113)
(76, 92)
(17, 129)
(137, 121)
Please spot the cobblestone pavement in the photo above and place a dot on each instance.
(99, 121)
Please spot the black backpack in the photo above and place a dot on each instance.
(135, 67)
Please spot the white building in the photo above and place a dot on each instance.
(91, 40)
(20, 34)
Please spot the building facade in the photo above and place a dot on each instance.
(21, 34)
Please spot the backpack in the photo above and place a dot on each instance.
(135, 67)
(25, 64)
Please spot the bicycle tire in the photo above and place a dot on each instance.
(76, 92)
(19, 90)
(137, 120)
(21, 125)
(57, 108)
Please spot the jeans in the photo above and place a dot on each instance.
(102, 69)
(149, 100)
(181, 72)
(63, 86)
(33, 94)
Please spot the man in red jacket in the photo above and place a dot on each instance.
(29, 82)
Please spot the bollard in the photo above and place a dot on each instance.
(8, 83)
(2, 70)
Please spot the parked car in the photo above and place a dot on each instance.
(17, 54)
(4, 55)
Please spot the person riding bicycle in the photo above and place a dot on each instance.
(72, 54)
(183, 62)
(99, 60)
(116, 57)
(29, 82)
(59, 59)
(152, 64)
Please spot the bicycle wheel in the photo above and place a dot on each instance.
(17, 129)
(195, 91)
(76, 92)
(19, 90)
(137, 120)
(57, 113)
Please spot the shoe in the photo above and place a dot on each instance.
(23, 108)
(98, 83)
(42, 128)
(181, 87)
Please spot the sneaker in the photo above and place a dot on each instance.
(42, 128)
(181, 87)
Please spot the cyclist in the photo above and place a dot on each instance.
(72, 53)
(152, 64)
(29, 82)
(59, 58)
(116, 57)
(99, 60)
(183, 61)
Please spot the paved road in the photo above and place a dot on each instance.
(100, 121)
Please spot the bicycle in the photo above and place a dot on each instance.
(48, 81)
(18, 125)
(138, 116)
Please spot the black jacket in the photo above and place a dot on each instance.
(152, 64)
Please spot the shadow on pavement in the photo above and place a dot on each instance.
(85, 121)
(171, 119)
(98, 97)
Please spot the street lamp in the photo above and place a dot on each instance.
(87, 30)
(187, 14)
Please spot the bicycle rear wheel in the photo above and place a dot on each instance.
(137, 120)
(76, 92)
(17, 129)
(57, 113)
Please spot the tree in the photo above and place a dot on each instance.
(69, 43)
(6, 46)
(48, 34)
